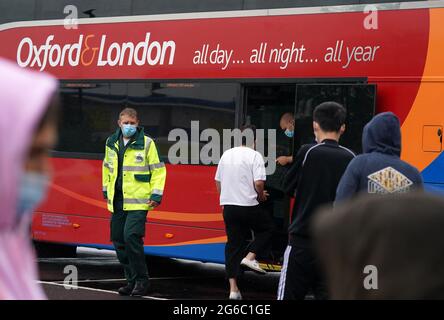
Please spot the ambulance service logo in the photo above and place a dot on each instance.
(388, 180)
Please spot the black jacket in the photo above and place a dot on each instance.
(313, 179)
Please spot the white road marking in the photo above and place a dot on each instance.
(151, 278)
(93, 280)
(92, 289)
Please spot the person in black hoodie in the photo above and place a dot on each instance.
(379, 170)
(313, 179)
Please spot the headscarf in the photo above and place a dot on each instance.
(24, 97)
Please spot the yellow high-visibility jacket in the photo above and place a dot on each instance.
(143, 175)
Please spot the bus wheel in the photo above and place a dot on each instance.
(54, 250)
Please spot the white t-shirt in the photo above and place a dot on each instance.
(237, 171)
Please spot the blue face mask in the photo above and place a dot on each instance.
(32, 190)
(128, 130)
(289, 133)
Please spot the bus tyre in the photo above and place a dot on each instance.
(54, 250)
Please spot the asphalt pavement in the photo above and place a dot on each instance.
(99, 275)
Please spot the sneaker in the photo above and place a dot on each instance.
(235, 295)
(253, 265)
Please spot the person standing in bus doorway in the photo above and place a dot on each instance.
(28, 130)
(240, 180)
(314, 177)
(133, 183)
(287, 125)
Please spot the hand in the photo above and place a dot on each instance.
(283, 160)
(263, 197)
(152, 203)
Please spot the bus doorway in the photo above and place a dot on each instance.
(264, 105)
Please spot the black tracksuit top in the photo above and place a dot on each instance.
(313, 179)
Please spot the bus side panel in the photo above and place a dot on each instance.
(163, 240)
(190, 195)
(188, 224)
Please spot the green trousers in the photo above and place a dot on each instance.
(127, 232)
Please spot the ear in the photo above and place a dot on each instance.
(315, 126)
(119, 123)
(342, 130)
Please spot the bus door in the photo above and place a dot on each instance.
(264, 105)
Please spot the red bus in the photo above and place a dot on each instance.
(222, 63)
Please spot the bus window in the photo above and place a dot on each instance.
(308, 97)
(53, 9)
(359, 101)
(22, 10)
(19, 10)
(89, 115)
(90, 112)
(262, 4)
(175, 6)
(187, 107)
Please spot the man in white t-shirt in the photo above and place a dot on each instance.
(240, 180)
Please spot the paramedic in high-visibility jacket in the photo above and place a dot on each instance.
(133, 183)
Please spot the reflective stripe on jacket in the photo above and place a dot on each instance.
(143, 174)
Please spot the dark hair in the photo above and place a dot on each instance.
(248, 127)
(330, 116)
(51, 115)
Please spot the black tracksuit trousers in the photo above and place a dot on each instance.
(239, 221)
(301, 274)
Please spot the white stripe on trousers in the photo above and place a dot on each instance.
(283, 277)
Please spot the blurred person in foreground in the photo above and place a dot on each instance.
(383, 247)
(379, 170)
(27, 133)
